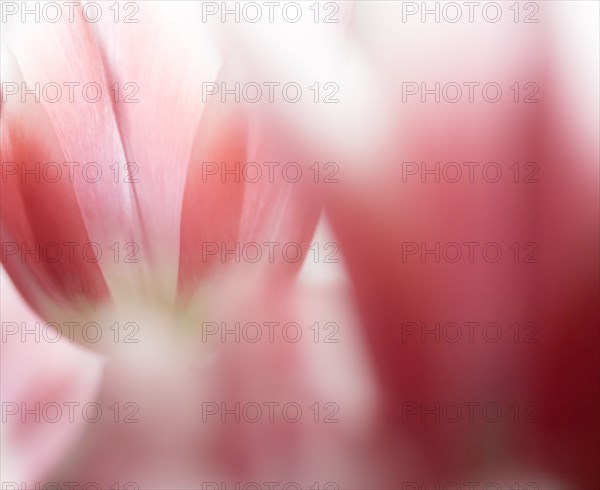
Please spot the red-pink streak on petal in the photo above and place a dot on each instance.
(66, 54)
(40, 216)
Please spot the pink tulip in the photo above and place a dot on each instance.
(153, 216)
(426, 253)
(149, 215)
(414, 219)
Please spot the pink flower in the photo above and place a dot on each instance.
(137, 202)
(143, 239)
(461, 323)
(448, 320)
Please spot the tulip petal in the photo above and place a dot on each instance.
(63, 63)
(159, 56)
(228, 217)
(43, 232)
